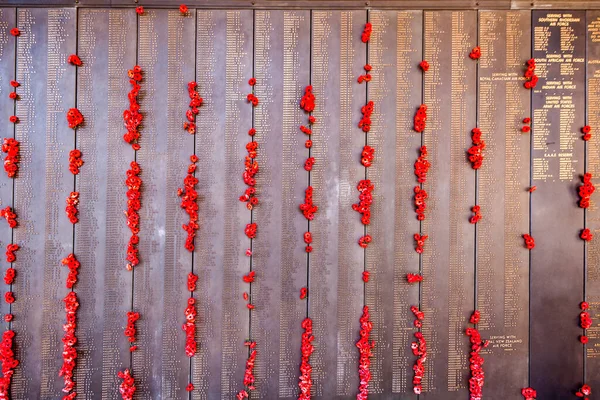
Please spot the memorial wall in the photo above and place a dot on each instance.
(299, 203)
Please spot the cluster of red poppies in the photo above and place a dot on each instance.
(530, 76)
(414, 278)
(307, 102)
(69, 340)
(71, 209)
(365, 197)
(526, 128)
(74, 118)
(251, 230)
(586, 235)
(132, 117)
(10, 252)
(367, 156)
(364, 241)
(134, 194)
(476, 214)
(584, 391)
(475, 53)
(529, 393)
(250, 170)
(303, 293)
(366, 35)
(195, 103)
(75, 161)
(476, 363)
(420, 242)
(586, 190)
(365, 121)
(365, 347)
(130, 328)
(9, 362)
(189, 327)
(424, 65)
(10, 216)
(420, 118)
(529, 241)
(587, 132)
(189, 197)
(308, 208)
(9, 276)
(305, 383)
(585, 320)
(476, 151)
(252, 99)
(127, 387)
(11, 161)
(73, 265)
(367, 76)
(249, 372)
(419, 350)
(422, 165)
(420, 204)
(308, 164)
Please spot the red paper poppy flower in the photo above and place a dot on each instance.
(252, 81)
(74, 59)
(424, 65)
(475, 53)
(139, 10)
(14, 119)
(183, 9)
(529, 393)
(15, 32)
(526, 120)
(583, 339)
(15, 84)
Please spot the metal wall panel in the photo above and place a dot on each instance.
(557, 261)
(448, 262)
(282, 60)
(592, 277)
(211, 41)
(502, 193)
(44, 233)
(324, 260)
(395, 50)
(106, 44)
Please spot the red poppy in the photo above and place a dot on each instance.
(584, 305)
(529, 393)
(583, 339)
(74, 59)
(139, 10)
(366, 35)
(303, 293)
(586, 235)
(525, 129)
(252, 81)
(189, 387)
(475, 53)
(14, 119)
(12, 95)
(526, 120)
(183, 9)
(532, 189)
(74, 118)
(15, 32)
(424, 65)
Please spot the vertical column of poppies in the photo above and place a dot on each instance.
(365, 189)
(69, 353)
(189, 203)
(308, 208)
(421, 167)
(475, 155)
(132, 119)
(10, 146)
(250, 197)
